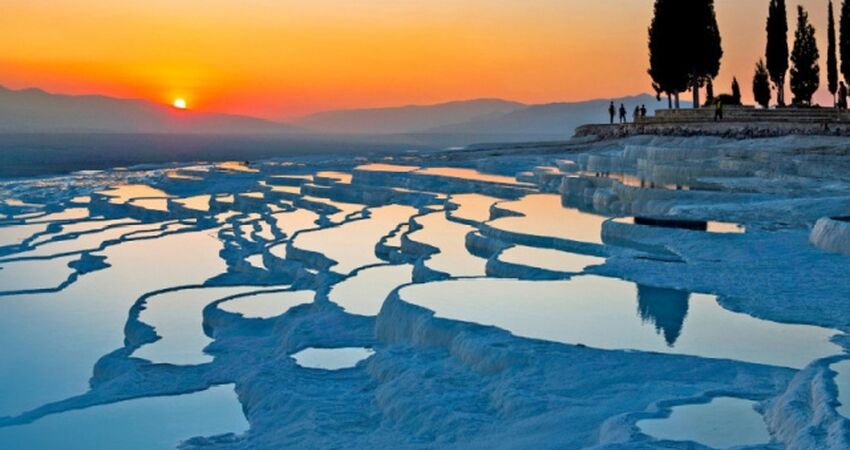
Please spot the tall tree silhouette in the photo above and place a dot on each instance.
(736, 91)
(831, 58)
(666, 66)
(805, 71)
(705, 50)
(777, 47)
(761, 85)
(844, 39)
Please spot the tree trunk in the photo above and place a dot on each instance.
(780, 93)
(709, 92)
(669, 101)
(677, 100)
(695, 89)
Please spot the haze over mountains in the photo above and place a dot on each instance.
(488, 119)
(453, 123)
(37, 111)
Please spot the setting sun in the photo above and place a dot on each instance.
(180, 103)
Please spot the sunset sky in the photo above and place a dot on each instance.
(284, 58)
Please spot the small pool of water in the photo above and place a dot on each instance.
(474, 207)
(724, 422)
(267, 305)
(332, 358)
(15, 234)
(352, 244)
(613, 314)
(235, 166)
(364, 293)
(177, 318)
(153, 204)
(154, 423)
(544, 215)
(35, 274)
(469, 174)
(340, 177)
(345, 209)
(197, 202)
(549, 259)
(124, 193)
(383, 167)
(450, 238)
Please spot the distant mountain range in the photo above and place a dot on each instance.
(37, 111)
(406, 119)
(445, 124)
(470, 121)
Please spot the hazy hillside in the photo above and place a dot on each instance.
(36, 111)
(548, 121)
(406, 119)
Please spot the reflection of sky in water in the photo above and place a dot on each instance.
(125, 192)
(235, 166)
(365, 293)
(264, 306)
(352, 245)
(70, 330)
(340, 177)
(143, 424)
(549, 259)
(545, 216)
(450, 238)
(15, 234)
(345, 208)
(473, 206)
(197, 202)
(608, 313)
(177, 318)
(292, 221)
(723, 423)
(382, 167)
(468, 174)
(331, 358)
(153, 204)
(87, 241)
(26, 275)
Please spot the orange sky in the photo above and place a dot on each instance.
(284, 58)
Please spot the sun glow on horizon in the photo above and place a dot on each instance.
(179, 103)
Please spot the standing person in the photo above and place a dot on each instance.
(718, 110)
(636, 114)
(842, 96)
(643, 111)
(611, 112)
(623, 118)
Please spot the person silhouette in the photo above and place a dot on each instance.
(643, 111)
(842, 96)
(718, 110)
(623, 118)
(636, 114)
(611, 112)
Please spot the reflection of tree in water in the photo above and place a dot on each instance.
(665, 308)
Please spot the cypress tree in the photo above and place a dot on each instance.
(805, 71)
(705, 52)
(666, 66)
(736, 91)
(844, 39)
(776, 53)
(831, 59)
(761, 85)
